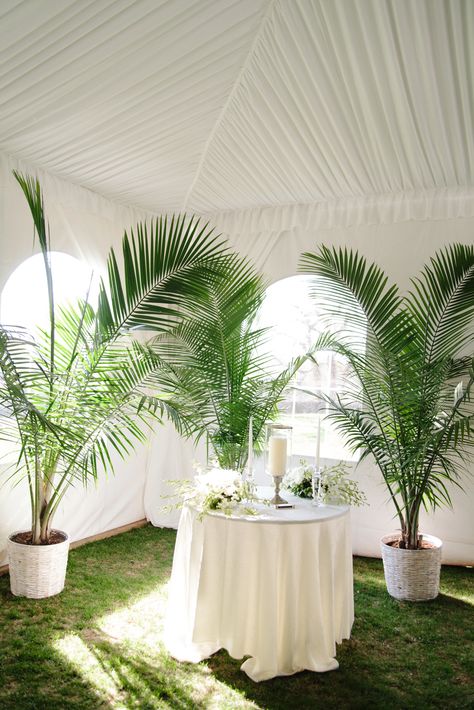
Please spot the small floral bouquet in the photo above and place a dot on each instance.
(217, 489)
(335, 487)
(299, 480)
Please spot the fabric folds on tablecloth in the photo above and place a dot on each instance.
(280, 593)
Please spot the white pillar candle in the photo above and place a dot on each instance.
(318, 443)
(250, 454)
(277, 451)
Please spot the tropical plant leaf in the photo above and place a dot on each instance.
(442, 303)
(167, 266)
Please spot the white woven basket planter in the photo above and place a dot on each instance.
(37, 571)
(412, 575)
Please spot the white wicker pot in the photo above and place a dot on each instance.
(37, 571)
(412, 575)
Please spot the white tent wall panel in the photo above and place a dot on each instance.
(82, 223)
(170, 458)
(109, 503)
(86, 225)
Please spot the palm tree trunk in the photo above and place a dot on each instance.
(412, 527)
(38, 503)
(45, 529)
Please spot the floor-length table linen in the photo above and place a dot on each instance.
(276, 587)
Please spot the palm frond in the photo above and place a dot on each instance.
(350, 285)
(84, 391)
(32, 191)
(442, 303)
(167, 266)
(218, 369)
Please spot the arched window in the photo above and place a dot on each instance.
(24, 300)
(25, 297)
(296, 322)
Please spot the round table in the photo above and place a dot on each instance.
(276, 587)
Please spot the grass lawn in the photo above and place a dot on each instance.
(98, 644)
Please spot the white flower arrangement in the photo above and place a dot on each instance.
(336, 486)
(218, 489)
(299, 480)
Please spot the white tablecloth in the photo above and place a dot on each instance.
(277, 587)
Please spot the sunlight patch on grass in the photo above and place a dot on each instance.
(460, 596)
(140, 621)
(123, 659)
(84, 661)
(371, 579)
(140, 626)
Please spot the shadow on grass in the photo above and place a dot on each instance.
(102, 577)
(449, 601)
(98, 644)
(126, 678)
(400, 655)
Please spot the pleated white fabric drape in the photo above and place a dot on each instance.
(120, 95)
(233, 587)
(348, 212)
(347, 99)
(236, 104)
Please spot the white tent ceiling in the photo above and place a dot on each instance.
(216, 105)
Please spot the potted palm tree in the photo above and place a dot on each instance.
(219, 370)
(409, 403)
(79, 391)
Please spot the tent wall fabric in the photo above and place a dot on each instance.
(82, 223)
(401, 242)
(85, 224)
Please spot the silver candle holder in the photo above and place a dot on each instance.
(278, 457)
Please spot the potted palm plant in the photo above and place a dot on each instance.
(219, 370)
(409, 403)
(79, 391)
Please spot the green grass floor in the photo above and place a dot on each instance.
(98, 644)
